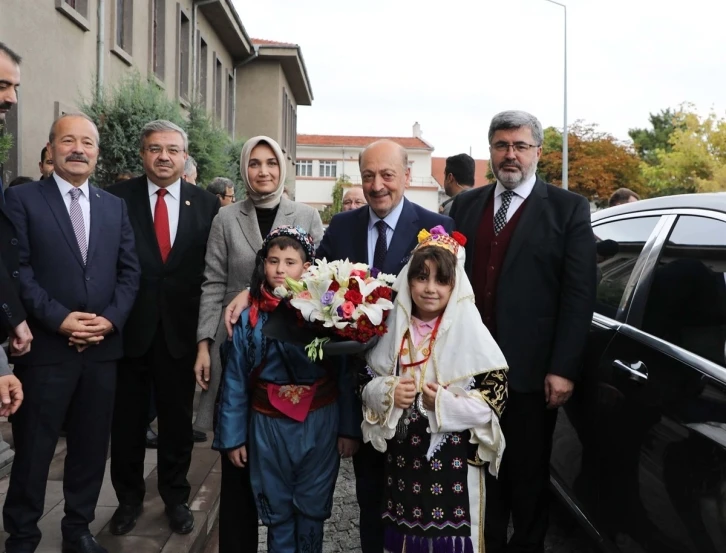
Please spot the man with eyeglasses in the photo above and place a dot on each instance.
(171, 219)
(223, 188)
(531, 261)
(353, 198)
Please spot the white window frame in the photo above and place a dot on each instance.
(304, 168)
(329, 169)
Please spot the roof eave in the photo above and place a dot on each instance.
(222, 15)
(293, 64)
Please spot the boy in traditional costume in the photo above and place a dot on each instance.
(437, 390)
(279, 411)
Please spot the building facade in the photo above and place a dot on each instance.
(322, 159)
(192, 49)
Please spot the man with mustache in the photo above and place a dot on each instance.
(171, 219)
(79, 275)
(531, 260)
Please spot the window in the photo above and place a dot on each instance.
(124, 24)
(230, 102)
(687, 299)
(218, 90)
(184, 35)
(304, 168)
(158, 10)
(619, 245)
(203, 73)
(76, 11)
(328, 169)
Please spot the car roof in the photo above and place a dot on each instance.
(715, 201)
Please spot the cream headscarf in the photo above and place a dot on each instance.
(271, 199)
(464, 347)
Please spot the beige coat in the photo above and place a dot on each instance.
(233, 244)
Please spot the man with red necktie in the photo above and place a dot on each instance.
(171, 220)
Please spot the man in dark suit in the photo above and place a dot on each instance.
(171, 220)
(382, 234)
(79, 275)
(531, 259)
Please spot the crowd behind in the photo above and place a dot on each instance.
(118, 302)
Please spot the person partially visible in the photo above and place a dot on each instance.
(223, 188)
(282, 414)
(353, 198)
(45, 165)
(122, 176)
(190, 171)
(622, 196)
(11, 390)
(9, 83)
(79, 275)
(458, 177)
(17, 181)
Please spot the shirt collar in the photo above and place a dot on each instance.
(64, 186)
(173, 189)
(523, 190)
(391, 219)
(424, 325)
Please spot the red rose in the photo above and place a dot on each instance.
(384, 292)
(354, 296)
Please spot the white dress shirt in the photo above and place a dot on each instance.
(84, 201)
(521, 193)
(173, 204)
(391, 221)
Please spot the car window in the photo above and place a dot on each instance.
(686, 303)
(618, 246)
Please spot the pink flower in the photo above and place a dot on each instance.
(348, 308)
(358, 273)
(304, 295)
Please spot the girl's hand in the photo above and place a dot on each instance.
(238, 457)
(429, 395)
(405, 393)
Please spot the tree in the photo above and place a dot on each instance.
(6, 142)
(234, 149)
(336, 205)
(598, 163)
(648, 141)
(208, 145)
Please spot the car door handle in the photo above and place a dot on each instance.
(637, 371)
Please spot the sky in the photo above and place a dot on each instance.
(377, 67)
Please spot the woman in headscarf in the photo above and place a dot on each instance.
(236, 237)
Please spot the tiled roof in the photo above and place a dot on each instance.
(358, 141)
(438, 164)
(265, 42)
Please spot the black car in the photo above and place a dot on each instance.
(639, 451)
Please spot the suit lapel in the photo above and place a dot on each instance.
(247, 218)
(405, 233)
(531, 214)
(52, 195)
(285, 214)
(94, 234)
(184, 230)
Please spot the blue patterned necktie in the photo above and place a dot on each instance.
(500, 219)
(79, 228)
(379, 254)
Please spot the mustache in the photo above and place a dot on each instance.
(515, 164)
(163, 164)
(378, 194)
(77, 157)
(6, 105)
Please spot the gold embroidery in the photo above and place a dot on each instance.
(292, 393)
(494, 391)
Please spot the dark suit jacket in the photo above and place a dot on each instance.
(170, 291)
(347, 235)
(546, 290)
(53, 279)
(11, 308)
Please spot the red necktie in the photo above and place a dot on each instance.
(161, 225)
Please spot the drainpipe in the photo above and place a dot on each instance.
(100, 50)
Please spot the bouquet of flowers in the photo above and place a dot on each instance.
(350, 300)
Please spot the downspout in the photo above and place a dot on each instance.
(100, 47)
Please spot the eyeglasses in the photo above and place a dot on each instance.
(171, 150)
(354, 202)
(520, 147)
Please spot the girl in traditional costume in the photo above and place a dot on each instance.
(279, 411)
(437, 390)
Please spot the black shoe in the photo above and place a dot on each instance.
(181, 519)
(84, 544)
(124, 519)
(152, 440)
(199, 436)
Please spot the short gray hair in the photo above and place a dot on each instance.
(189, 164)
(219, 185)
(51, 134)
(162, 125)
(515, 119)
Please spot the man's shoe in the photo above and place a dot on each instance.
(84, 544)
(200, 436)
(181, 519)
(152, 440)
(124, 519)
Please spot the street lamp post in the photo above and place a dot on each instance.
(564, 130)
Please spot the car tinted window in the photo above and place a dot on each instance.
(619, 245)
(687, 300)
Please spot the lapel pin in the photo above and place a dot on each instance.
(98, 195)
(188, 202)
